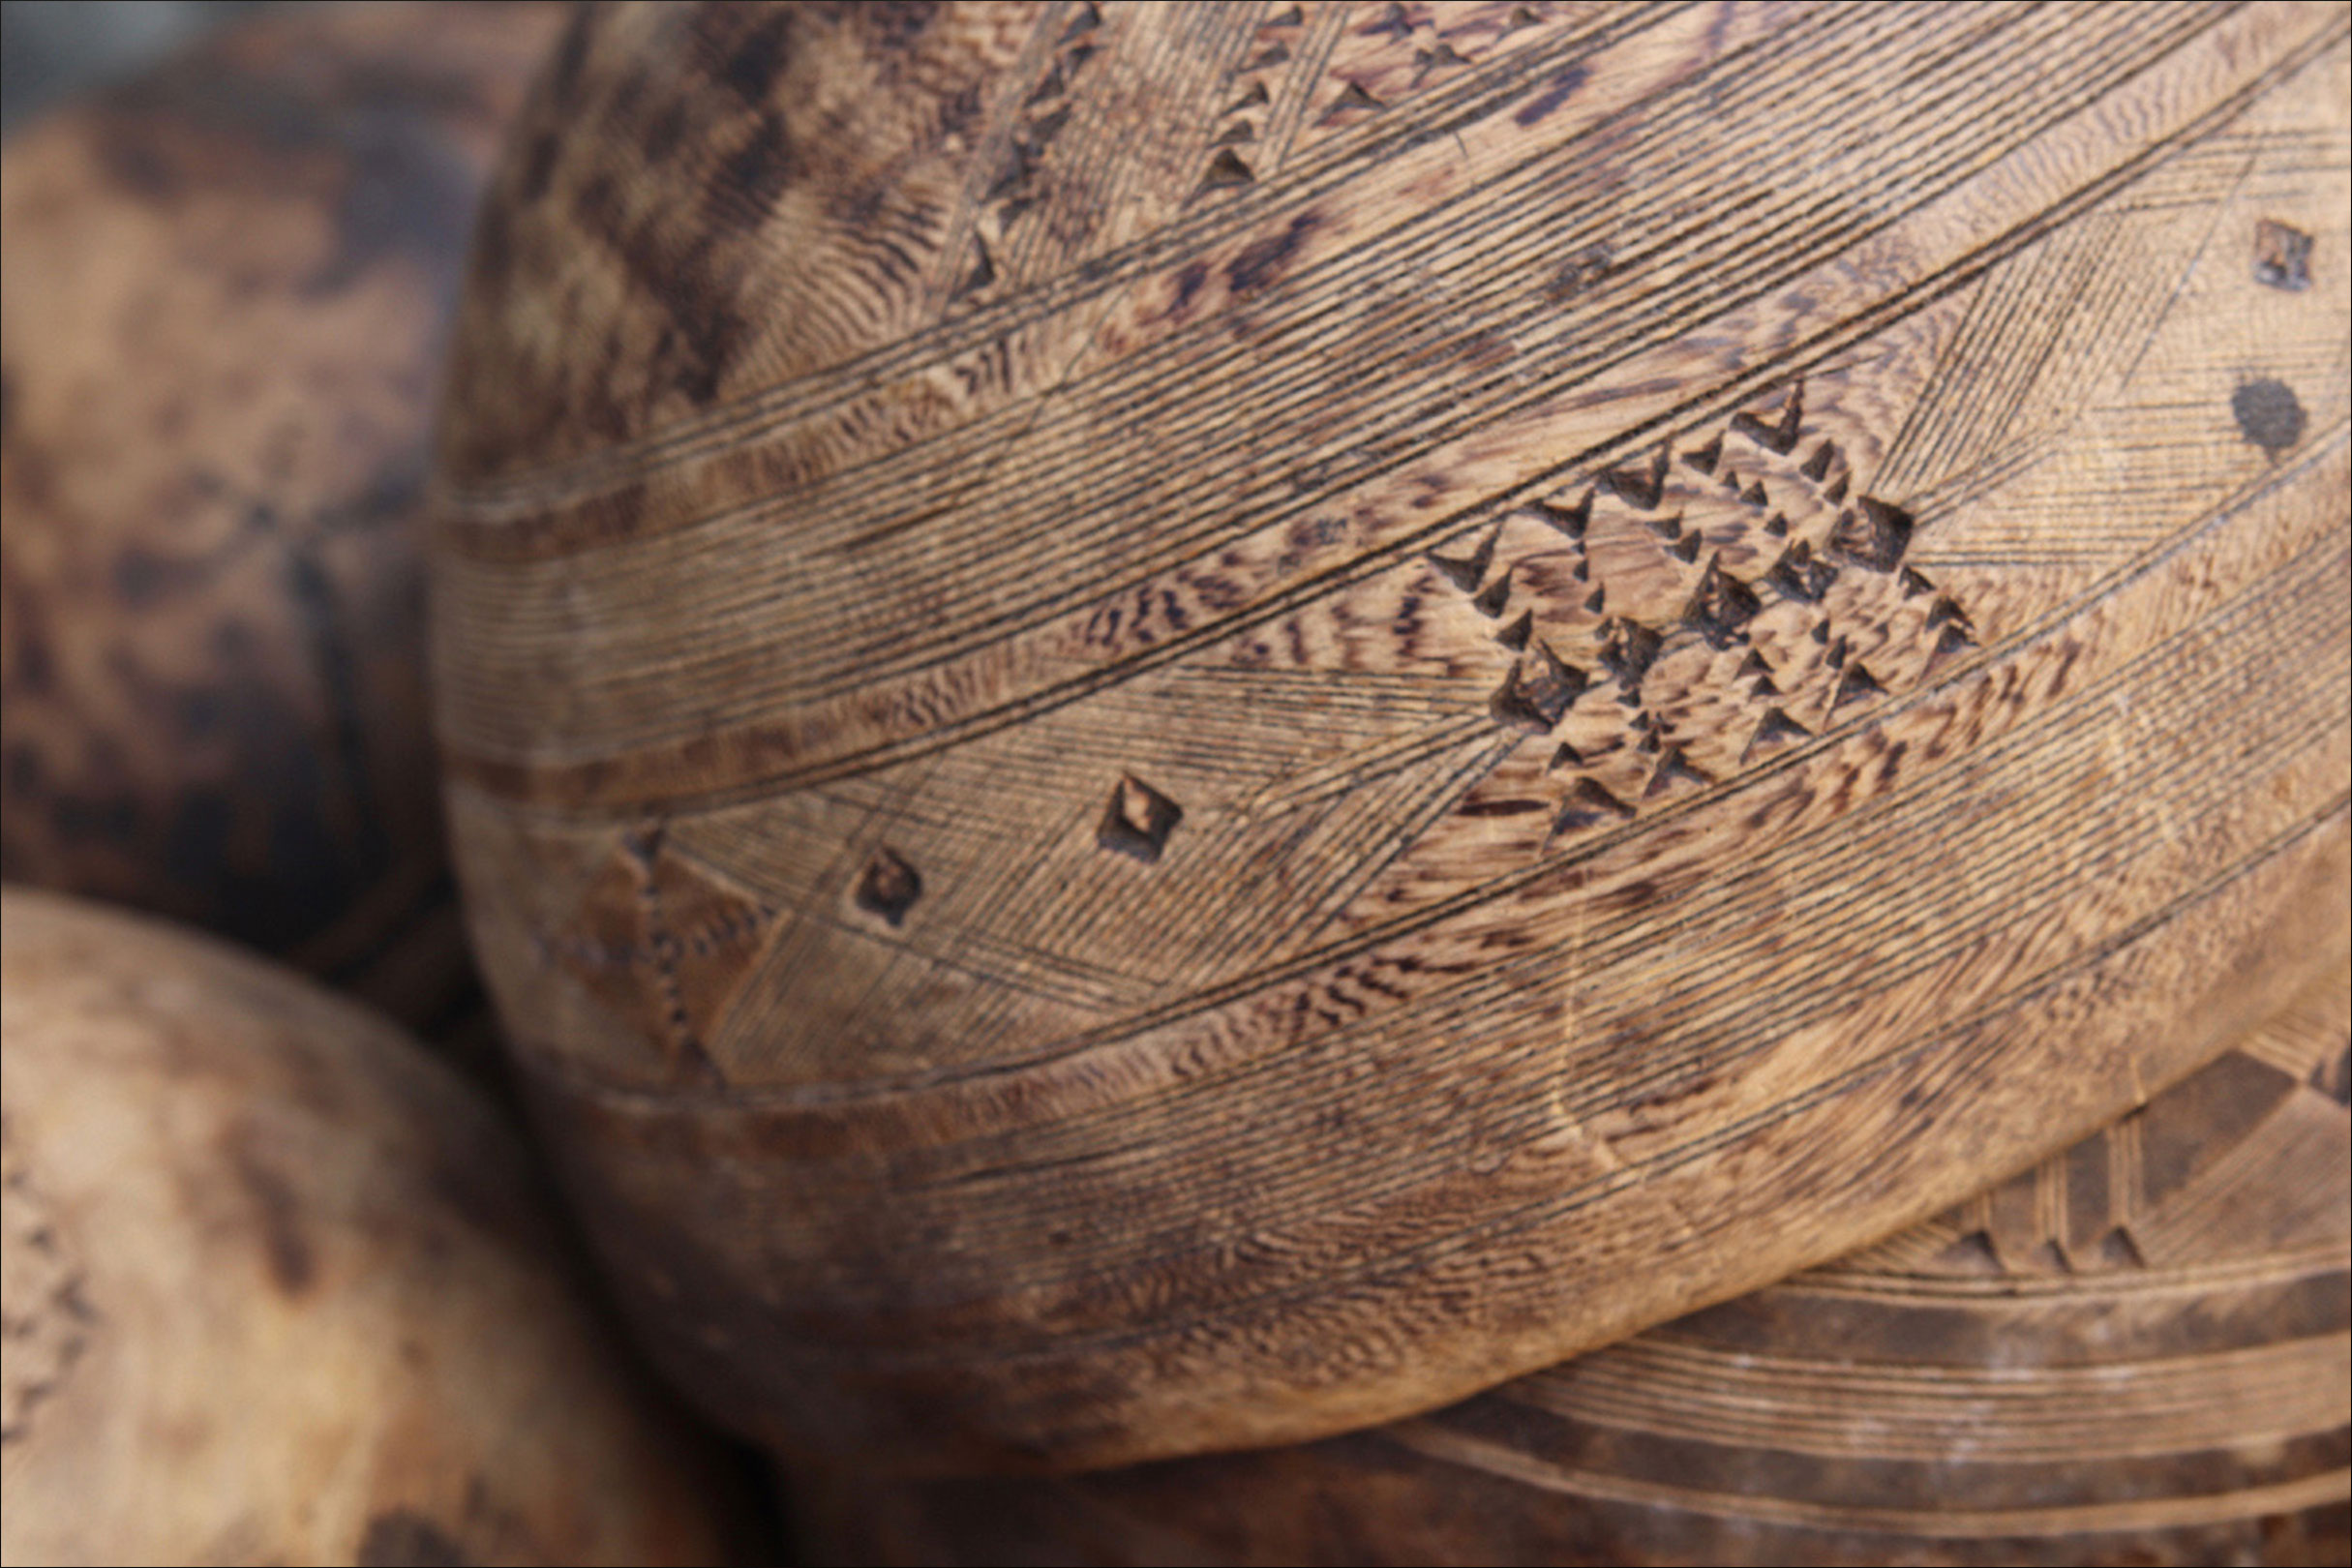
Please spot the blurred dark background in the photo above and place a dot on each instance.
(52, 49)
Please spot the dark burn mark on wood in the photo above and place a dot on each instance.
(1465, 572)
(365, 138)
(1722, 606)
(1946, 608)
(407, 196)
(1856, 685)
(1572, 521)
(1428, 60)
(1671, 1093)
(1631, 650)
(400, 1538)
(704, 329)
(1501, 808)
(662, 139)
(2268, 415)
(1226, 170)
(1554, 95)
(1638, 490)
(1138, 821)
(888, 886)
(1590, 806)
(277, 1215)
(894, 24)
(750, 63)
(1492, 600)
(141, 576)
(1777, 727)
(983, 273)
(750, 178)
(1538, 690)
(1189, 283)
(1675, 769)
(1779, 437)
(2333, 1077)
(570, 57)
(1799, 576)
(2283, 256)
(1256, 265)
(1873, 534)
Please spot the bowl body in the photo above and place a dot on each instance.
(1182, 727)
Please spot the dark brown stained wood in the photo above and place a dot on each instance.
(1181, 727)
(227, 291)
(2137, 1352)
(281, 1289)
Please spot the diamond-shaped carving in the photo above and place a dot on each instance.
(888, 886)
(1138, 820)
(664, 944)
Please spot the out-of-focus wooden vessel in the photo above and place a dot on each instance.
(228, 289)
(280, 1288)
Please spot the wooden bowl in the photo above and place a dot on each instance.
(229, 288)
(280, 1288)
(2134, 1353)
(1182, 727)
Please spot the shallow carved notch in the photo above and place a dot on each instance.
(1138, 820)
(888, 886)
(1873, 534)
(2283, 256)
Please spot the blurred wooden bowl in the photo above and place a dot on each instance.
(281, 1289)
(228, 289)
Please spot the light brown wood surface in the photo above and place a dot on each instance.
(280, 1288)
(227, 290)
(1181, 727)
(2134, 1353)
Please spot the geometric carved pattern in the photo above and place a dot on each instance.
(1138, 820)
(664, 944)
(888, 886)
(1748, 563)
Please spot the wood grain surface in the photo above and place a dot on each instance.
(1179, 727)
(2134, 1353)
(281, 1289)
(228, 292)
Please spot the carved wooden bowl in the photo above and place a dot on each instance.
(228, 286)
(1178, 727)
(2133, 1353)
(278, 1288)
